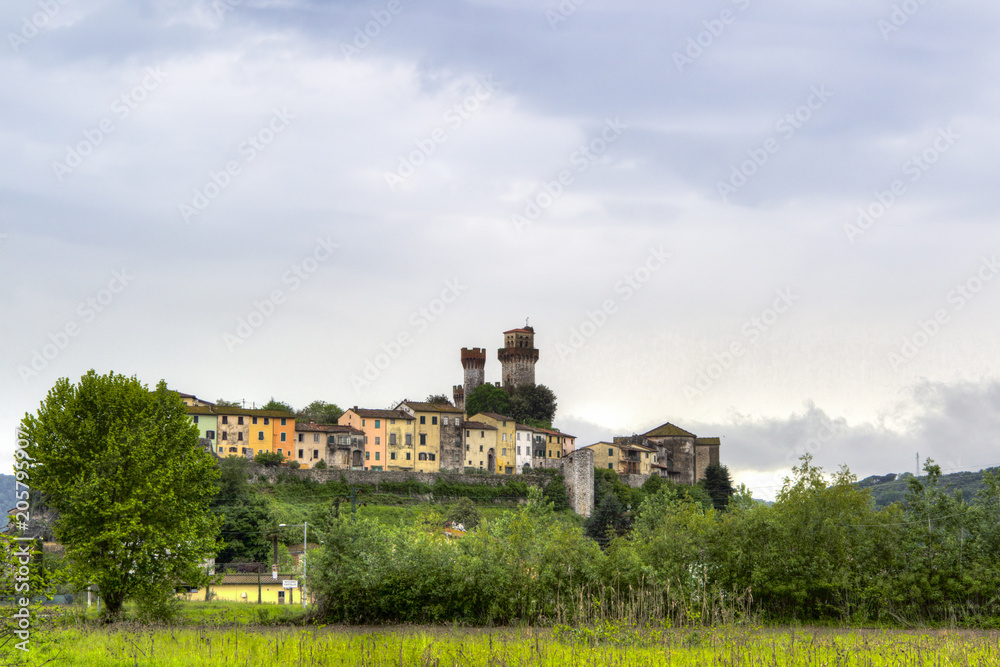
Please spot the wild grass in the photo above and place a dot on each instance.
(626, 646)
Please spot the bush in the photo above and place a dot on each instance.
(269, 459)
(320, 465)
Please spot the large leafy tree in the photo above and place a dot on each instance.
(223, 403)
(487, 398)
(533, 404)
(438, 399)
(246, 520)
(277, 405)
(122, 467)
(320, 412)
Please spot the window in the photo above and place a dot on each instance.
(315, 437)
(392, 456)
(260, 435)
(611, 452)
(482, 434)
(423, 439)
(423, 419)
(504, 438)
(239, 436)
(550, 453)
(376, 455)
(431, 455)
(225, 435)
(503, 452)
(444, 421)
(366, 456)
(267, 420)
(611, 466)
(422, 456)
(300, 454)
(284, 421)
(260, 451)
(210, 435)
(647, 455)
(434, 421)
(225, 419)
(480, 448)
(220, 448)
(377, 440)
(466, 446)
(279, 453)
(315, 453)
(232, 450)
(407, 456)
(283, 436)
(239, 420)
(467, 434)
(196, 419)
(255, 420)
(392, 438)
(378, 423)
(409, 440)
(505, 424)
(519, 450)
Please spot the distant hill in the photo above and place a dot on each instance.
(7, 498)
(888, 489)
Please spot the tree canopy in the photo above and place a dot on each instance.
(438, 399)
(123, 468)
(244, 514)
(320, 412)
(277, 405)
(533, 404)
(223, 403)
(718, 484)
(487, 398)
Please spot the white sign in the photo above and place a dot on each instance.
(274, 572)
(289, 583)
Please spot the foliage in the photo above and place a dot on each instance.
(223, 403)
(122, 467)
(277, 405)
(718, 485)
(464, 512)
(244, 514)
(320, 412)
(438, 399)
(555, 493)
(534, 403)
(268, 459)
(320, 465)
(609, 519)
(487, 398)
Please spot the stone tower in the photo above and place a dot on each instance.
(518, 357)
(474, 364)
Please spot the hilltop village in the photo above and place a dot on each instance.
(417, 436)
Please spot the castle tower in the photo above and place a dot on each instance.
(474, 364)
(518, 357)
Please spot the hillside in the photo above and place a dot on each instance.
(888, 489)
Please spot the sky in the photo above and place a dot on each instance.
(772, 222)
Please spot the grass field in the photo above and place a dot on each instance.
(214, 644)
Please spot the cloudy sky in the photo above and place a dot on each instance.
(774, 222)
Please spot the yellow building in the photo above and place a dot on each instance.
(241, 431)
(506, 443)
(479, 440)
(430, 420)
(378, 426)
(251, 588)
(557, 444)
(625, 459)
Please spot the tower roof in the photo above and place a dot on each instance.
(524, 330)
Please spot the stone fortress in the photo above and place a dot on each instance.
(517, 359)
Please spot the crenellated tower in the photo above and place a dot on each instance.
(518, 357)
(474, 365)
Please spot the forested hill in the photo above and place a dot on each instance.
(887, 489)
(7, 499)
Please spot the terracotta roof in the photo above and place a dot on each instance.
(418, 406)
(478, 425)
(707, 441)
(551, 432)
(668, 429)
(524, 330)
(379, 414)
(246, 412)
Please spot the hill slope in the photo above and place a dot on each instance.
(888, 489)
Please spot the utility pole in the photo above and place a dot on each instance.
(918, 465)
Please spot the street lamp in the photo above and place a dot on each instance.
(305, 529)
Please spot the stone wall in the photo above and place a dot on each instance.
(578, 474)
(633, 481)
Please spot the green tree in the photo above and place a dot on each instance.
(223, 403)
(438, 399)
(718, 484)
(610, 518)
(487, 398)
(532, 403)
(555, 493)
(244, 514)
(320, 412)
(277, 405)
(268, 459)
(122, 467)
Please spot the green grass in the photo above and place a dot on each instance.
(612, 645)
